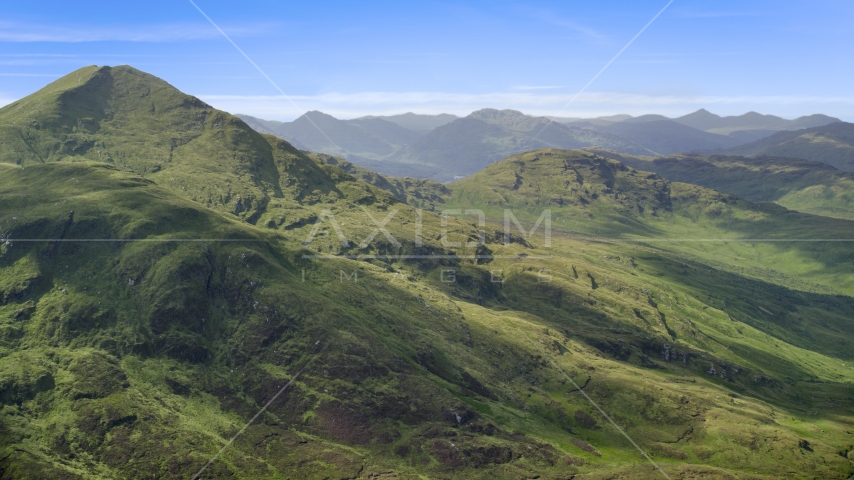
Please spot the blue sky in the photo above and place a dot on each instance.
(355, 58)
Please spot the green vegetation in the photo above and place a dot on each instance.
(221, 276)
(832, 144)
(595, 196)
(802, 185)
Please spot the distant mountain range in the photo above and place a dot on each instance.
(419, 124)
(444, 147)
(469, 144)
(368, 138)
(664, 136)
(709, 122)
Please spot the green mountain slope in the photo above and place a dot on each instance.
(832, 144)
(135, 351)
(143, 353)
(802, 185)
(418, 192)
(600, 196)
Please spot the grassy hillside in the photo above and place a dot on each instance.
(143, 353)
(802, 185)
(418, 192)
(832, 144)
(133, 351)
(590, 194)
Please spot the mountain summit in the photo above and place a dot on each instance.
(141, 124)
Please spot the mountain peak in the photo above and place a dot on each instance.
(647, 118)
(141, 124)
(492, 113)
(94, 94)
(317, 114)
(699, 114)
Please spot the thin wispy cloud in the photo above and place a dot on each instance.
(537, 87)
(18, 32)
(576, 27)
(29, 75)
(73, 55)
(639, 61)
(557, 20)
(685, 13)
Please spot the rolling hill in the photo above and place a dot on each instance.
(802, 185)
(832, 144)
(168, 274)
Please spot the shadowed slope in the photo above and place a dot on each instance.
(832, 144)
(802, 185)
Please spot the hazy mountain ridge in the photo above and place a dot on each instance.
(704, 120)
(369, 138)
(444, 146)
(270, 127)
(664, 136)
(469, 144)
(419, 124)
